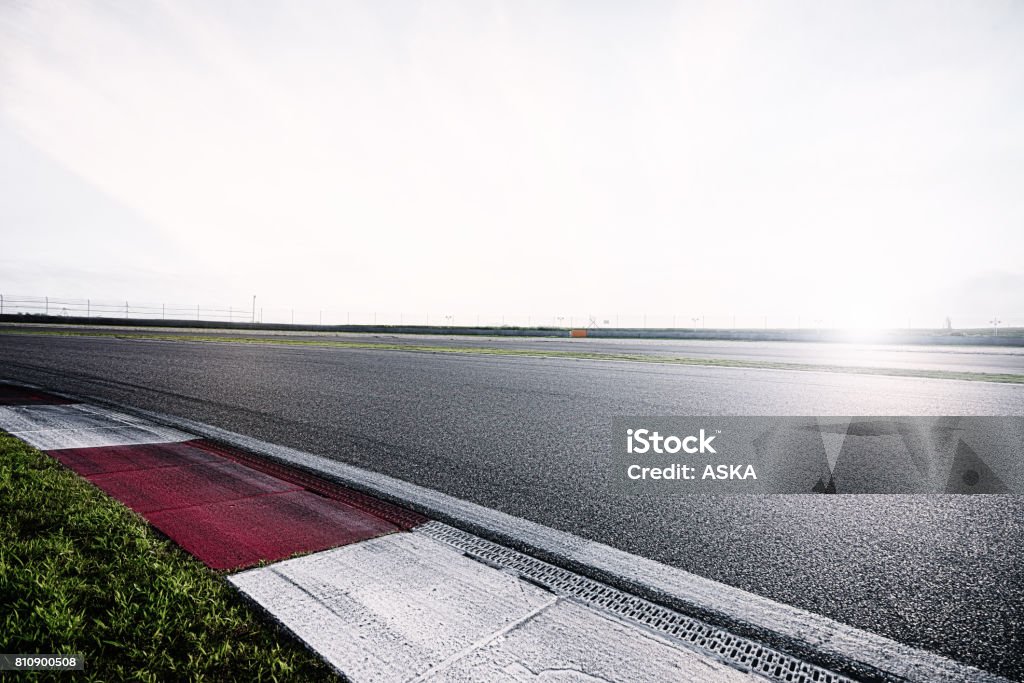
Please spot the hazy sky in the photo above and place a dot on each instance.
(861, 160)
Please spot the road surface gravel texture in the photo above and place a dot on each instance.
(521, 435)
(963, 358)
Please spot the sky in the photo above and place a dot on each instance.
(858, 162)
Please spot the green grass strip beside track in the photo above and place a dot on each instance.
(82, 574)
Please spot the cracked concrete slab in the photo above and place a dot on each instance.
(405, 607)
(391, 608)
(572, 642)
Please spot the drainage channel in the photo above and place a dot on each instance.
(738, 652)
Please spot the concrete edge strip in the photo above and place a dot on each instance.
(816, 639)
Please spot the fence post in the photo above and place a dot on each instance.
(47, 305)
(1, 304)
(163, 311)
(197, 312)
(125, 309)
(88, 308)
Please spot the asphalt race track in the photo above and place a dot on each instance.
(521, 435)
(963, 358)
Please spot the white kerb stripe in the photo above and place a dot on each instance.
(52, 427)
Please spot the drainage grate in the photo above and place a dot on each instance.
(735, 651)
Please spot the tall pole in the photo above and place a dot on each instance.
(253, 308)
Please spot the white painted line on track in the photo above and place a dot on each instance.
(406, 607)
(53, 427)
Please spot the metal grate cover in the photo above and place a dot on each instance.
(740, 653)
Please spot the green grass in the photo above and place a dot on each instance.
(1005, 378)
(82, 574)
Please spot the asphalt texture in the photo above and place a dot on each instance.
(949, 358)
(521, 435)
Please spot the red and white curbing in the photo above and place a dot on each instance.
(378, 591)
(383, 604)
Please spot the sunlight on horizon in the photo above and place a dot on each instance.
(837, 162)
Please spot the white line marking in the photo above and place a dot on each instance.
(54, 427)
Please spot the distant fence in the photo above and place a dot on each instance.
(91, 308)
(255, 312)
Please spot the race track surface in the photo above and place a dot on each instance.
(521, 435)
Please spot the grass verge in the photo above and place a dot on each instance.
(82, 574)
(1003, 378)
